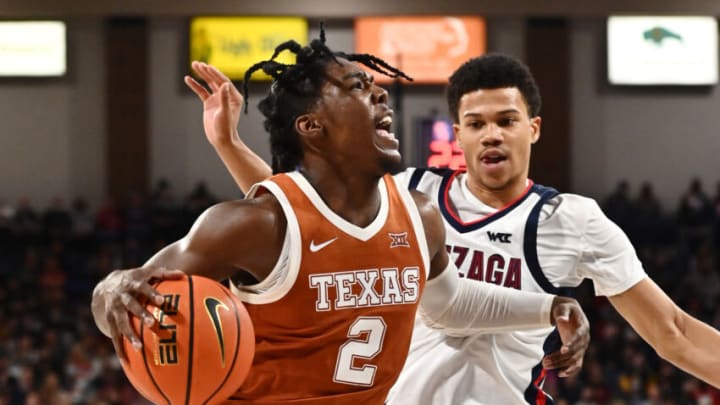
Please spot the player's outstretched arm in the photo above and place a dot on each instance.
(222, 106)
(226, 237)
(610, 260)
(675, 335)
(450, 302)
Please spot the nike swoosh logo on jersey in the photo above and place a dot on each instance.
(314, 248)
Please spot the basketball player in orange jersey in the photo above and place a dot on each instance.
(559, 239)
(334, 258)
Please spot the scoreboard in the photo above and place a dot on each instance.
(437, 146)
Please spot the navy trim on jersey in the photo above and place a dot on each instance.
(419, 172)
(446, 209)
(534, 394)
(530, 242)
(415, 178)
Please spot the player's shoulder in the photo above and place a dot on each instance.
(569, 207)
(570, 201)
(260, 211)
(258, 202)
(423, 178)
(423, 202)
(432, 221)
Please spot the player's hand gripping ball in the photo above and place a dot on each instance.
(200, 349)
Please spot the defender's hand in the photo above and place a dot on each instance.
(574, 329)
(119, 296)
(222, 103)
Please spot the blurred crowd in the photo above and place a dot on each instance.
(51, 352)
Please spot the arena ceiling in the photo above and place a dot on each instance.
(329, 9)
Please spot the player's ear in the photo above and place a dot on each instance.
(457, 133)
(310, 129)
(535, 129)
(307, 125)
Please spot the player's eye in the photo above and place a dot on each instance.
(474, 124)
(505, 122)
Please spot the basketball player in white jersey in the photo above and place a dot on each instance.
(504, 229)
(335, 255)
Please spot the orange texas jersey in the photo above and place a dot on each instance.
(334, 319)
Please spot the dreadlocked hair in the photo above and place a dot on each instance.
(295, 91)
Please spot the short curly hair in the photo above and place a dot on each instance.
(492, 71)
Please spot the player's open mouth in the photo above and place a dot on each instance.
(492, 158)
(383, 126)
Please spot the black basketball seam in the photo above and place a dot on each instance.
(237, 348)
(191, 351)
(147, 368)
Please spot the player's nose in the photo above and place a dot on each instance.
(380, 95)
(492, 135)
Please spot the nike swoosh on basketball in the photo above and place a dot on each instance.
(314, 248)
(213, 305)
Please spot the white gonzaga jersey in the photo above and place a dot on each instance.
(502, 247)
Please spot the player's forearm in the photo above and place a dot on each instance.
(450, 302)
(676, 336)
(246, 167)
(692, 346)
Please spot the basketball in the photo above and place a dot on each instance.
(200, 349)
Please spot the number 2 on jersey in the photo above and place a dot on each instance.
(373, 327)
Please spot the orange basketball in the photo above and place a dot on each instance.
(200, 349)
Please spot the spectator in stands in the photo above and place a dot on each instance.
(695, 214)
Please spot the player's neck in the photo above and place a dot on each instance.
(498, 197)
(355, 198)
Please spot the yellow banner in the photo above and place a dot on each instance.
(233, 44)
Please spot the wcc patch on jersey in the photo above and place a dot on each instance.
(499, 237)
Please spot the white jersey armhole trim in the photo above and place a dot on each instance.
(283, 276)
(414, 213)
